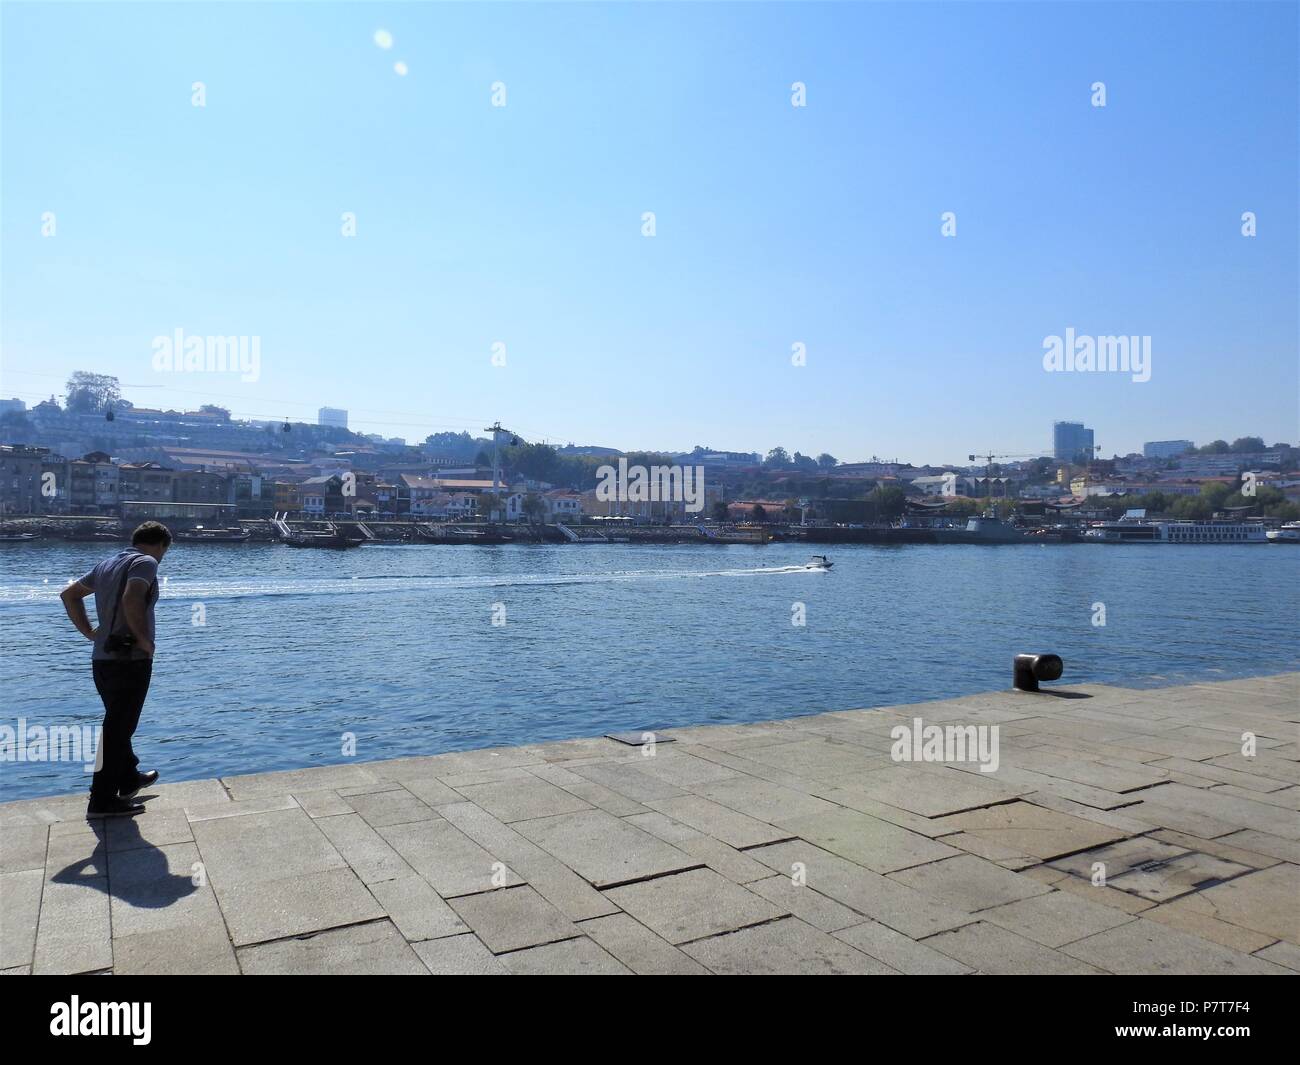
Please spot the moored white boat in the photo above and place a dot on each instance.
(1176, 532)
(1287, 534)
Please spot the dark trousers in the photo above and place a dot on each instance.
(123, 687)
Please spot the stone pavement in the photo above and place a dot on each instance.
(1124, 831)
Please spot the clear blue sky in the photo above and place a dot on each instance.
(775, 224)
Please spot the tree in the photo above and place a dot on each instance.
(1214, 447)
(212, 408)
(488, 503)
(887, 502)
(1196, 508)
(778, 458)
(89, 393)
(1247, 444)
(1157, 502)
(720, 512)
(827, 462)
(1214, 493)
(758, 512)
(534, 507)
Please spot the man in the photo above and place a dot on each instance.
(125, 589)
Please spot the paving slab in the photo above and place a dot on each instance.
(818, 758)
(899, 951)
(663, 827)
(795, 845)
(628, 780)
(692, 905)
(1284, 954)
(553, 880)
(1030, 830)
(1056, 918)
(735, 865)
(513, 918)
(517, 800)
(22, 847)
(785, 947)
(254, 785)
(160, 889)
(603, 849)
(1148, 948)
(74, 932)
(645, 953)
(969, 883)
(722, 823)
(870, 842)
(987, 948)
(374, 949)
(382, 808)
(803, 902)
(264, 846)
(459, 956)
(20, 907)
(1267, 900)
(1286, 850)
(416, 909)
(177, 950)
(579, 957)
(449, 860)
(935, 792)
(764, 800)
(323, 803)
(1193, 914)
(363, 848)
(162, 827)
(256, 911)
(885, 900)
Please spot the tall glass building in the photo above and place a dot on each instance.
(1071, 442)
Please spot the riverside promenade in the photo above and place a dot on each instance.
(1123, 831)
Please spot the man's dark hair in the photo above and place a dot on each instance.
(152, 532)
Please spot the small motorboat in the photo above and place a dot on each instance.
(820, 562)
(16, 537)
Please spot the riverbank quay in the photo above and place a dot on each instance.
(1121, 831)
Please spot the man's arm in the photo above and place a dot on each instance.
(135, 605)
(73, 596)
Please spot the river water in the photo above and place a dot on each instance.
(268, 656)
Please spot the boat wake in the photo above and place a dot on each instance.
(360, 584)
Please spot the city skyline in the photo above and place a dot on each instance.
(1055, 450)
(514, 233)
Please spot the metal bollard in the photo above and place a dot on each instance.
(1028, 670)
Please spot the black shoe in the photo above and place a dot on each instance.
(141, 781)
(114, 808)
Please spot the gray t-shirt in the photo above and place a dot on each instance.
(106, 579)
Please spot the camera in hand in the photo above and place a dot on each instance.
(119, 643)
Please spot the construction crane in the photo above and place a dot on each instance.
(988, 464)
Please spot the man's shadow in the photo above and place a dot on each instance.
(139, 874)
